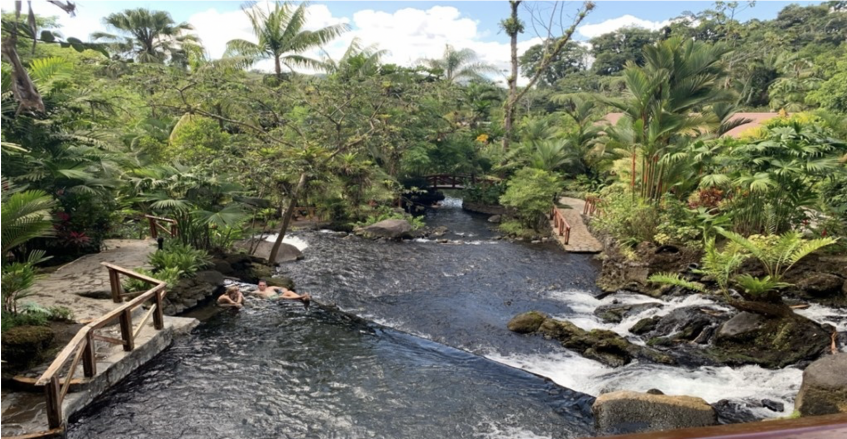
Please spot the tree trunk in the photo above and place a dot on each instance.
(765, 308)
(277, 67)
(286, 218)
(513, 76)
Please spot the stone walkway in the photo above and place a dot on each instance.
(83, 285)
(581, 240)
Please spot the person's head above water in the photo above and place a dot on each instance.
(232, 291)
(262, 284)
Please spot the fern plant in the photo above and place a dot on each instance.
(778, 254)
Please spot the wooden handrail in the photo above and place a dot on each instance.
(561, 224)
(81, 346)
(155, 226)
(590, 205)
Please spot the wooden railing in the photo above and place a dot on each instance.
(81, 347)
(561, 224)
(590, 206)
(155, 226)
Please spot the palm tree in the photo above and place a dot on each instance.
(679, 78)
(282, 37)
(149, 36)
(459, 65)
(357, 61)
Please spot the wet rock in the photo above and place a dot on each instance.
(824, 388)
(389, 229)
(287, 252)
(632, 412)
(772, 343)
(601, 345)
(527, 322)
(655, 392)
(616, 313)
(439, 231)
(24, 345)
(735, 412)
(280, 281)
(741, 326)
(494, 219)
(686, 324)
(644, 326)
(774, 406)
(820, 284)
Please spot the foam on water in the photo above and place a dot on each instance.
(823, 314)
(296, 241)
(710, 383)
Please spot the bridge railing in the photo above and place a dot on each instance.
(57, 378)
(156, 226)
(590, 208)
(560, 224)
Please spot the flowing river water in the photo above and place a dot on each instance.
(431, 356)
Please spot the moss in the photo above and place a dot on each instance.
(24, 345)
(659, 341)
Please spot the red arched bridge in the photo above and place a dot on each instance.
(457, 181)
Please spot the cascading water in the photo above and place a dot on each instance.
(277, 370)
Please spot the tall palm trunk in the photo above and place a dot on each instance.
(513, 77)
(286, 218)
(277, 66)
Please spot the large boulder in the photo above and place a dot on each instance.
(769, 342)
(632, 412)
(616, 313)
(527, 322)
(683, 325)
(24, 345)
(820, 284)
(389, 229)
(824, 388)
(287, 252)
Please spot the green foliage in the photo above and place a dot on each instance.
(626, 219)
(531, 193)
(485, 193)
(182, 258)
(26, 215)
(169, 275)
(196, 139)
(676, 279)
(777, 254)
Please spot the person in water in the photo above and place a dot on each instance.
(232, 298)
(274, 293)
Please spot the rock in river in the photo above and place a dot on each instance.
(601, 345)
(632, 412)
(615, 313)
(824, 389)
(390, 229)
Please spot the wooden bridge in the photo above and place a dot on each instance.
(457, 181)
(569, 228)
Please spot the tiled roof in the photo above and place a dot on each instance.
(756, 119)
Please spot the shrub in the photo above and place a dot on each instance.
(627, 219)
(169, 275)
(181, 257)
(517, 229)
(531, 193)
(382, 213)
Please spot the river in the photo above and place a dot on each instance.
(433, 357)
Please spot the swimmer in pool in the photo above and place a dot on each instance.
(232, 298)
(275, 293)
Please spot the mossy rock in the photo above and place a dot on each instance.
(285, 282)
(527, 322)
(774, 343)
(644, 326)
(25, 345)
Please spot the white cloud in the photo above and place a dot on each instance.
(613, 24)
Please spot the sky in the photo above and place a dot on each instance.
(408, 30)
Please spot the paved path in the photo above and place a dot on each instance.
(581, 240)
(83, 285)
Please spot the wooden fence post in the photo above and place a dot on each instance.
(153, 232)
(126, 330)
(158, 317)
(54, 404)
(115, 282)
(89, 360)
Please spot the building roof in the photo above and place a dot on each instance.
(756, 119)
